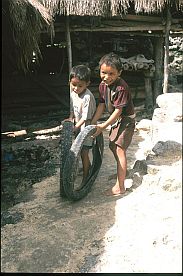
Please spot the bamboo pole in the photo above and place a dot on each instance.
(166, 55)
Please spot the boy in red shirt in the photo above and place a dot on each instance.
(115, 96)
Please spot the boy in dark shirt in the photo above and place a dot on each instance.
(115, 96)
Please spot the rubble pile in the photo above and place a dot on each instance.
(176, 55)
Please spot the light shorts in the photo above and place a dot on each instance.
(88, 142)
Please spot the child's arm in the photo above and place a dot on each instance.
(79, 124)
(98, 113)
(109, 121)
(71, 117)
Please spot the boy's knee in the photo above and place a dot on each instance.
(112, 146)
(120, 150)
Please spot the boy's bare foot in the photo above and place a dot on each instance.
(114, 192)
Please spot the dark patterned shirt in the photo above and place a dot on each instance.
(117, 96)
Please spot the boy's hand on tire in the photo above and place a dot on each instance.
(99, 129)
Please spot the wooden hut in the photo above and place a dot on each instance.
(137, 30)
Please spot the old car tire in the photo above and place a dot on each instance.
(65, 145)
(71, 162)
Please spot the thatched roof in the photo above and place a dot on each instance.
(107, 7)
(28, 17)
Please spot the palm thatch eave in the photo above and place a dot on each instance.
(29, 17)
(108, 7)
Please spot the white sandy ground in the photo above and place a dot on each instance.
(140, 232)
(147, 232)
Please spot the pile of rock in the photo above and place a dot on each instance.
(162, 162)
(176, 55)
(167, 118)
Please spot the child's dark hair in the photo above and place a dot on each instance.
(82, 72)
(112, 60)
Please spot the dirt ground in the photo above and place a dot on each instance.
(137, 232)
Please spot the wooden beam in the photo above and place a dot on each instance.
(146, 18)
(141, 18)
(132, 33)
(126, 23)
(135, 27)
(121, 25)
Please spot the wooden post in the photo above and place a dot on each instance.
(158, 74)
(69, 49)
(166, 57)
(148, 91)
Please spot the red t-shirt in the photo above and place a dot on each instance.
(117, 95)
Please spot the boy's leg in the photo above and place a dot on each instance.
(120, 156)
(121, 170)
(85, 161)
(120, 139)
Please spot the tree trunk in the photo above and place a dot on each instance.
(166, 57)
(69, 49)
(158, 77)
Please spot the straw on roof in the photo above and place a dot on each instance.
(107, 7)
(28, 17)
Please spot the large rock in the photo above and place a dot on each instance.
(167, 148)
(166, 131)
(144, 124)
(169, 100)
(167, 119)
(163, 115)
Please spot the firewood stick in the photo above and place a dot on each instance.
(146, 66)
(125, 66)
(140, 65)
